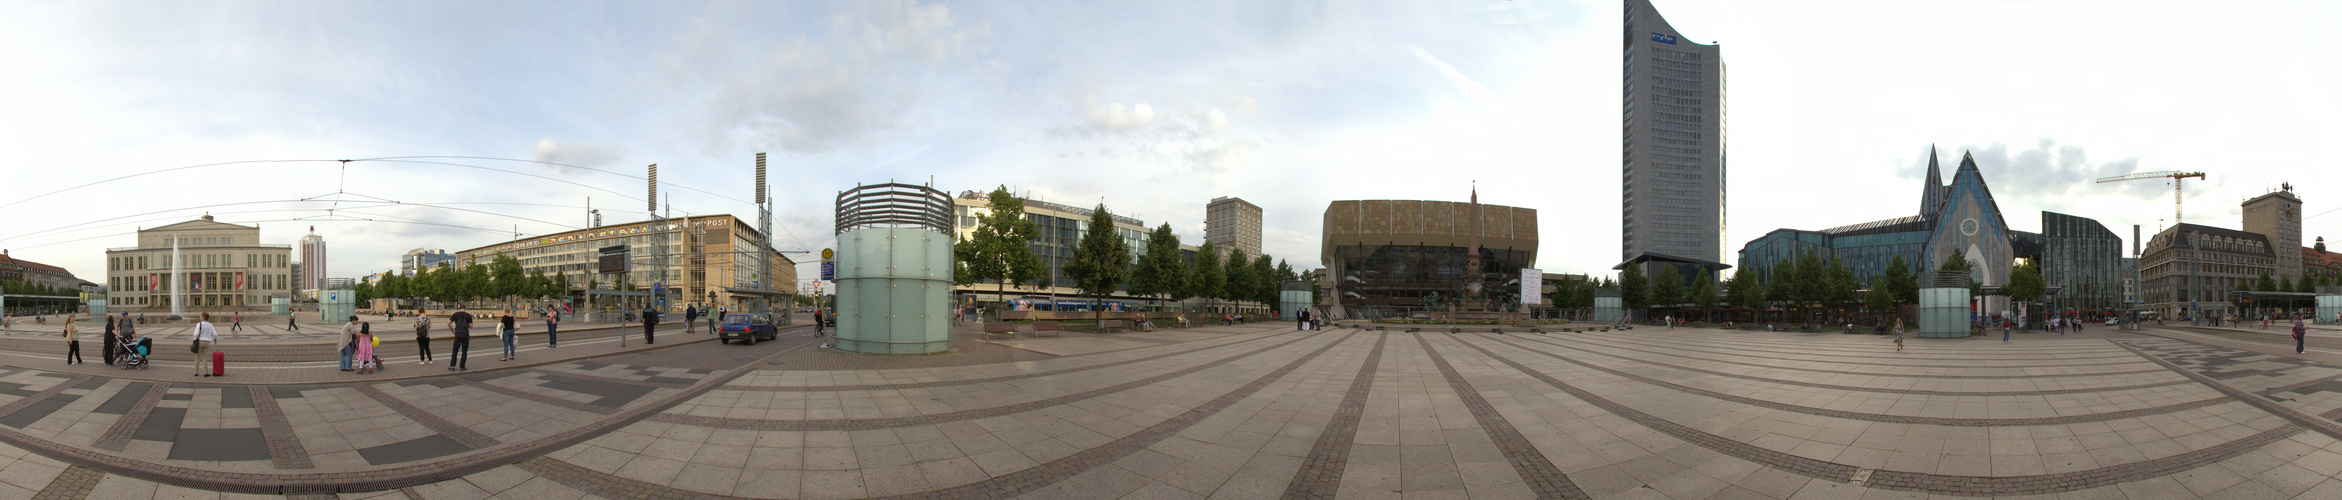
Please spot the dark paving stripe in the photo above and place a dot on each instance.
(1744, 376)
(219, 445)
(841, 424)
(162, 424)
(540, 398)
(23, 412)
(1321, 471)
(91, 383)
(2325, 426)
(126, 398)
(668, 382)
(2127, 361)
(422, 448)
(602, 484)
(235, 397)
(1033, 479)
(613, 395)
(2012, 354)
(1932, 483)
(73, 484)
(118, 436)
(947, 383)
(1880, 417)
(1873, 374)
(284, 445)
(1535, 470)
(458, 433)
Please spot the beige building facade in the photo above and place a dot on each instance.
(225, 267)
(1231, 223)
(2190, 268)
(698, 255)
(2277, 215)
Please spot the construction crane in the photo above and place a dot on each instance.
(2175, 177)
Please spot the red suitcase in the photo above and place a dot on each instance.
(219, 364)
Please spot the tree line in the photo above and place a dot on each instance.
(501, 278)
(1000, 250)
(1805, 283)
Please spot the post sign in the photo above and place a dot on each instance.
(1532, 286)
(829, 271)
(659, 290)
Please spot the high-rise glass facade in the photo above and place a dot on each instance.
(2082, 256)
(1672, 167)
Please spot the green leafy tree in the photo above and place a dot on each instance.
(1957, 262)
(2266, 283)
(2247, 285)
(1813, 280)
(1754, 296)
(1783, 283)
(365, 292)
(1162, 271)
(1667, 287)
(1101, 262)
(478, 283)
(1901, 285)
(2025, 283)
(1206, 276)
(1879, 298)
(1265, 282)
(2284, 284)
(540, 286)
(506, 280)
(1843, 288)
(1703, 290)
(1634, 290)
(1001, 247)
(1238, 269)
(561, 286)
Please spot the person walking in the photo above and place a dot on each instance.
(650, 322)
(348, 342)
(510, 334)
(205, 336)
(2006, 325)
(365, 343)
(106, 347)
(1300, 319)
(461, 323)
(236, 323)
(713, 319)
(691, 319)
(1898, 333)
(422, 337)
(2300, 336)
(289, 326)
(552, 327)
(128, 331)
(72, 342)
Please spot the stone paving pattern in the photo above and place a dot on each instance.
(1241, 411)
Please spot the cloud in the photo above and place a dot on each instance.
(863, 76)
(1479, 93)
(574, 153)
(1111, 117)
(1218, 158)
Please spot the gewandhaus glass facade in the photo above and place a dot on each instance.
(1390, 258)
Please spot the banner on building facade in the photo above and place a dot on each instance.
(154, 282)
(1532, 286)
(239, 281)
(196, 280)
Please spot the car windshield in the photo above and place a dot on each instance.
(740, 319)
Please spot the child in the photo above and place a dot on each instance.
(365, 343)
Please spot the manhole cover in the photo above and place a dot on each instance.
(744, 360)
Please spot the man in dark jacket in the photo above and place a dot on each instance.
(650, 320)
(461, 352)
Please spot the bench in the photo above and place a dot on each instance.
(1109, 326)
(1043, 329)
(1008, 328)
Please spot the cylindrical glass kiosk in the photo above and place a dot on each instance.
(894, 269)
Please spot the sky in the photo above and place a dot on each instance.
(121, 115)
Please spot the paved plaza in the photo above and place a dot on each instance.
(1241, 411)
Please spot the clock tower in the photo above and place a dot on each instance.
(2277, 215)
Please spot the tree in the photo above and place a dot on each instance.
(365, 292)
(506, 278)
(477, 284)
(1101, 262)
(2025, 283)
(1842, 285)
(1703, 290)
(1206, 276)
(1813, 280)
(1879, 298)
(1957, 262)
(540, 286)
(1001, 247)
(561, 286)
(1784, 279)
(2246, 285)
(2266, 283)
(1238, 269)
(1901, 285)
(1667, 287)
(1265, 282)
(2284, 284)
(1162, 271)
(1633, 289)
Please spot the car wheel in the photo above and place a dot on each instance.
(752, 339)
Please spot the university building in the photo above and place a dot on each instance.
(225, 267)
(702, 258)
(2075, 254)
(1391, 258)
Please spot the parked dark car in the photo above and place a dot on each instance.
(747, 326)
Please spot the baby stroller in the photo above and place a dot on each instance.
(134, 352)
